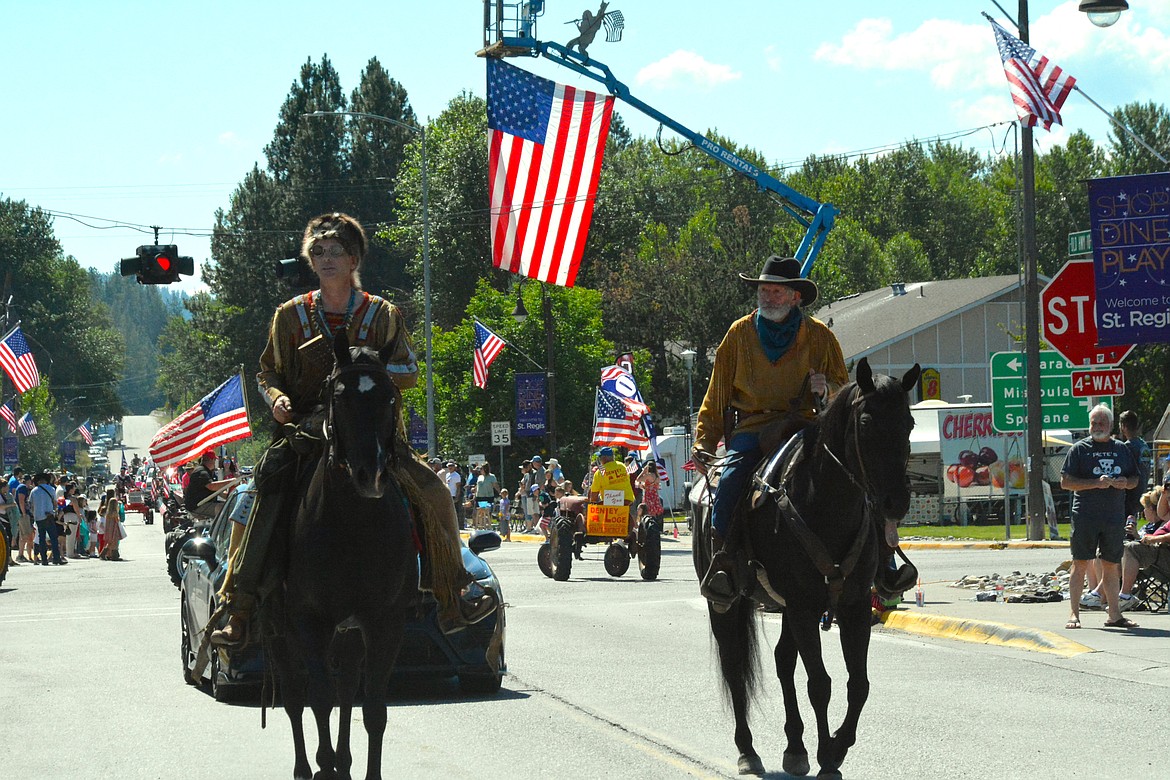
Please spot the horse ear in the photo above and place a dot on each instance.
(864, 376)
(911, 378)
(341, 348)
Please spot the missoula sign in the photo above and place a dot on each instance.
(530, 404)
(1131, 246)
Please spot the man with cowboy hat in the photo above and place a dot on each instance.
(769, 366)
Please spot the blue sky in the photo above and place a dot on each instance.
(151, 113)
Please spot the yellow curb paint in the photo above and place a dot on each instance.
(984, 632)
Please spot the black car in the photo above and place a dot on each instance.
(475, 654)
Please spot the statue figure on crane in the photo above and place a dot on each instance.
(589, 24)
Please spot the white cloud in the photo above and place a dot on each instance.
(171, 158)
(229, 139)
(684, 68)
(958, 55)
(772, 58)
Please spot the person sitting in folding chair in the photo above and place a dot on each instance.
(1151, 550)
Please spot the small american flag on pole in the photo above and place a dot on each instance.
(85, 432)
(17, 360)
(487, 346)
(9, 415)
(27, 426)
(1039, 86)
(545, 145)
(614, 424)
(219, 418)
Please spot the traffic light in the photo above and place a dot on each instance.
(159, 264)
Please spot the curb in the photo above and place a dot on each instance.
(978, 545)
(983, 632)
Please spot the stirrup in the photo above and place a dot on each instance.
(718, 585)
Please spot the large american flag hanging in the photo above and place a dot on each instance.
(26, 424)
(9, 414)
(85, 432)
(614, 424)
(17, 360)
(1039, 86)
(219, 418)
(545, 146)
(487, 346)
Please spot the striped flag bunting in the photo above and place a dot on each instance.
(545, 146)
(487, 346)
(26, 424)
(1039, 86)
(219, 418)
(17, 361)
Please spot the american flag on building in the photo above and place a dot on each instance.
(85, 432)
(1039, 86)
(26, 424)
(17, 360)
(487, 346)
(615, 424)
(219, 418)
(9, 414)
(545, 146)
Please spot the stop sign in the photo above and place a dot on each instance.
(1068, 307)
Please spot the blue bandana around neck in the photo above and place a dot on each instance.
(777, 337)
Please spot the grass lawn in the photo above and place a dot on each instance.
(981, 532)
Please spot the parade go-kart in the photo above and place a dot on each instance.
(579, 523)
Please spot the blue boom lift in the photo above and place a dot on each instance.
(510, 31)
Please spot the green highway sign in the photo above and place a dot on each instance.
(1009, 400)
(1080, 243)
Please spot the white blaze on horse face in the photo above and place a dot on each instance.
(365, 384)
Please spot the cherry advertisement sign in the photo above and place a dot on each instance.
(1130, 229)
(977, 462)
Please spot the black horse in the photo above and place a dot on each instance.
(819, 526)
(352, 569)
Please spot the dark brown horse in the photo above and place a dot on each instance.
(814, 538)
(352, 569)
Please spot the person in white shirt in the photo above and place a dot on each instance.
(454, 480)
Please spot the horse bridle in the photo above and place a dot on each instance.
(336, 456)
(857, 401)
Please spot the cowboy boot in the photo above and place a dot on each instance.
(234, 634)
(718, 584)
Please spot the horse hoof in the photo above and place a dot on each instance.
(796, 764)
(829, 774)
(751, 765)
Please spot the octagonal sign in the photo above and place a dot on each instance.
(1068, 310)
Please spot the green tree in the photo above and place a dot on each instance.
(74, 342)
(42, 451)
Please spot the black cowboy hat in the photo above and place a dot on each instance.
(786, 271)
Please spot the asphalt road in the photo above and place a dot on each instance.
(608, 678)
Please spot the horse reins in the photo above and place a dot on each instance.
(833, 572)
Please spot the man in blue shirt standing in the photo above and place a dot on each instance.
(44, 511)
(1098, 469)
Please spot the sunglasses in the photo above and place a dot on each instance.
(334, 251)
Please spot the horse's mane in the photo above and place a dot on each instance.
(830, 424)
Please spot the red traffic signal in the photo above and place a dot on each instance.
(158, 264)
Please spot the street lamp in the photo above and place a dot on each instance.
(432, 448)
(1103, 13)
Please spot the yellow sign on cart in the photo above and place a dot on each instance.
(607, 520)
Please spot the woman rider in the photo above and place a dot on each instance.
(293, 370)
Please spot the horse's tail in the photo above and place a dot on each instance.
(739, 659)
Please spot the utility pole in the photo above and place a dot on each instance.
(1032, 323)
